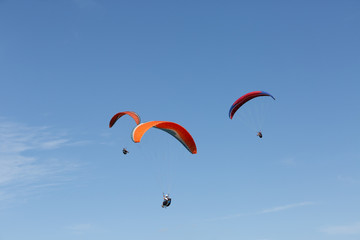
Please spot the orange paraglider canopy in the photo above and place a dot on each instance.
(174, 129)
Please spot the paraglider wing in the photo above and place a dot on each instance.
(174, 129)
(120, 114)
(247, 97)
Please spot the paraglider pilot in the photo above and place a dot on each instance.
(125, 151)
(167, 201)
(259, 134)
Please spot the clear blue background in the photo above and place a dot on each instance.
(66, 67)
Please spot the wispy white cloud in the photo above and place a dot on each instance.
(80, 228)
(16, 138)
(351, 229)
(348, 179)
(289, 162)
(85, 229)
(164, 229)
(21, 165)
(285, 207)
(228, 217)
(265, 211)
(52, 144)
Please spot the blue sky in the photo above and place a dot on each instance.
(67, 67)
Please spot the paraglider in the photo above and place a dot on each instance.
(125, 151)
(134, 116)
(174, 129)
(244, 99)
(167, 201)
